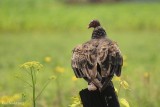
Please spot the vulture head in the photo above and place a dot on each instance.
(94, 24)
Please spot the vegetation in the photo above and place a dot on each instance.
(46, 31)
(48, 15)
(31, 70)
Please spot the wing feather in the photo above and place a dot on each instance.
(78, 61)
(110, 60)
(84, 62)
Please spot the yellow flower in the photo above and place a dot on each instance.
(116, 90)
(117, 79)
(48, 59)
(74, 78)
(14, 98)
(146, 75)
(9, 99)
(76, 102)
(124, 84)
(4, 99)
(33, 64)
(124, 102)
(124, 61)
(59, 69)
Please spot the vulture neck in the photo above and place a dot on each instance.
(98, 33)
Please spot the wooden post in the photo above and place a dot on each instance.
(107, 98)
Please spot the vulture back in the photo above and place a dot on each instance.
(97, 59)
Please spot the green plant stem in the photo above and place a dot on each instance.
(42, 89)
(33, 84)
(59, 92)
(35, 79)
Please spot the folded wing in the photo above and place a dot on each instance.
(84, 63)
(110, 60)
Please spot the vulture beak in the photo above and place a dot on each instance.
(89, 26)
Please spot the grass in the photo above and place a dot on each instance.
(48, 15)
(33, 30)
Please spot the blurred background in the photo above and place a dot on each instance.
(47, 30)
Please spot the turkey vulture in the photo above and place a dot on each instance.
(98, 59)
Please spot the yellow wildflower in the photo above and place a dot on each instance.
(48, 59)
(32, 64)
(10, 99)
(124, 61)
(59, 69)
(74, 78)
(117, 79)
(124, 102)
(146, 75)
(116, 90)
(124, 84)
(16, 97)
(4, 99)
(76, 102)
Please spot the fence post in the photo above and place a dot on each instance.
(107, 98)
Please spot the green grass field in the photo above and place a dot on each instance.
(34, 30)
